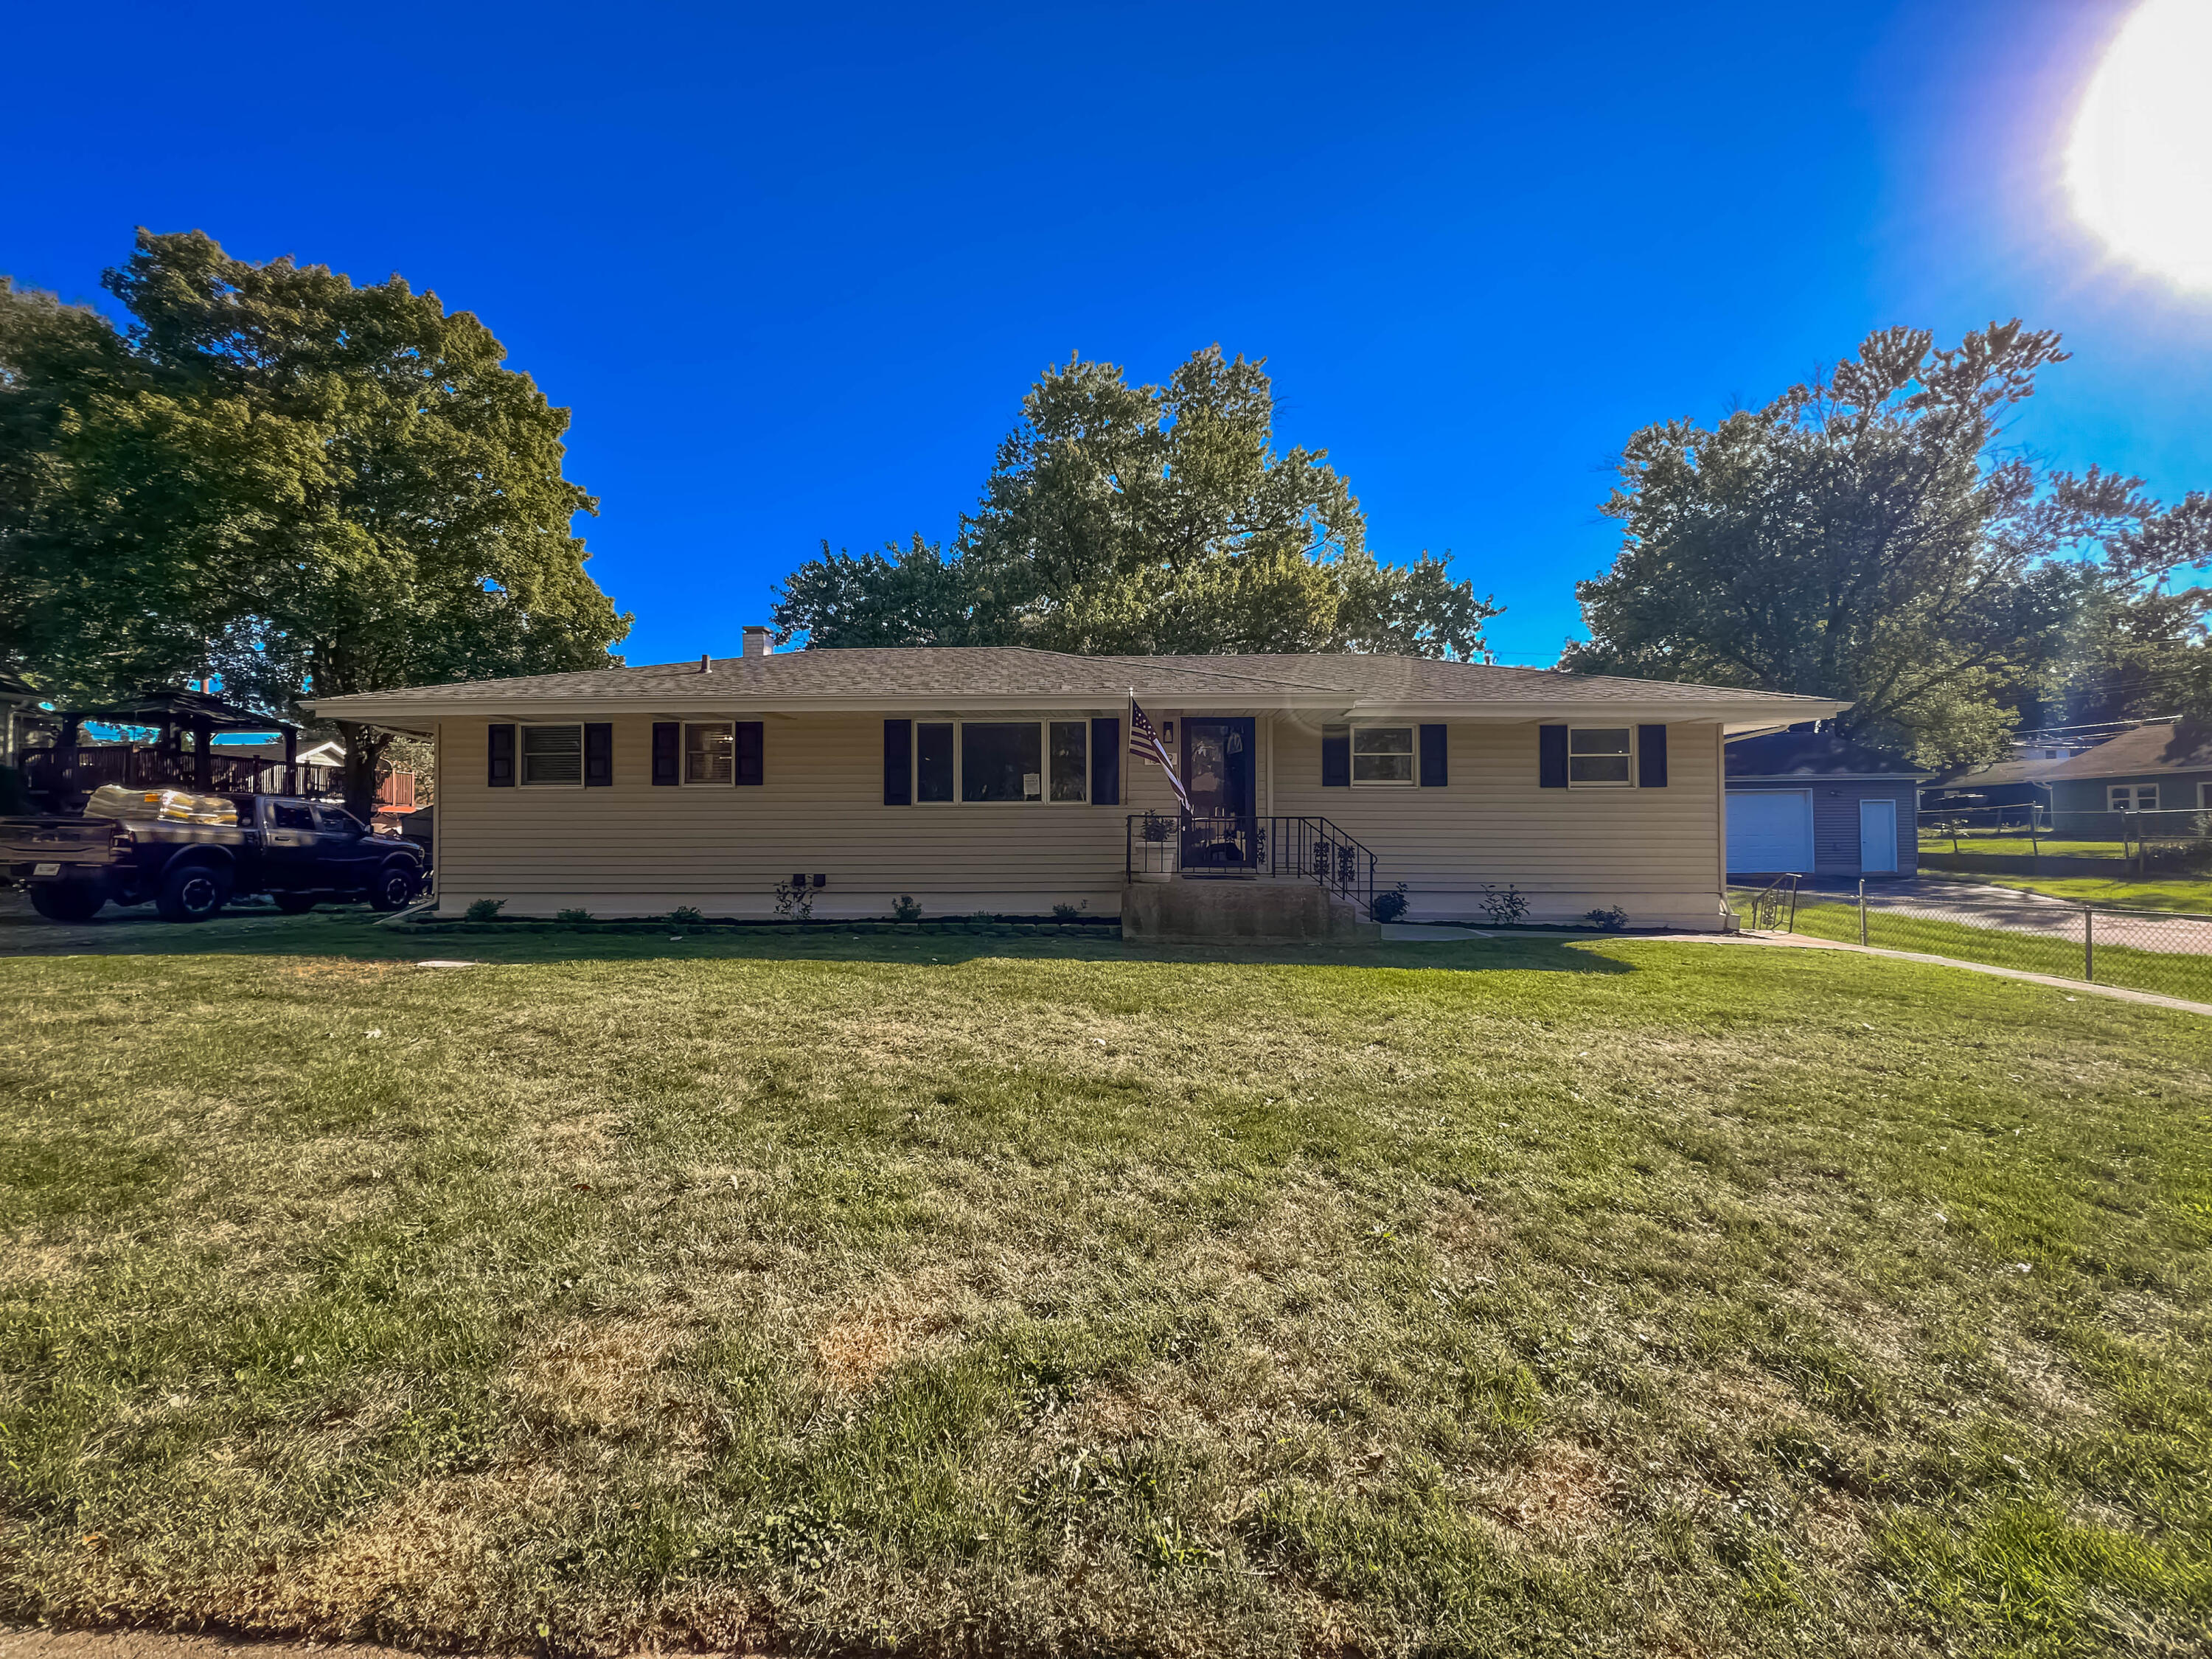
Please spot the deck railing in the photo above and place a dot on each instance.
(1236, 844)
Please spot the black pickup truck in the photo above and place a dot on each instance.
(295, 851)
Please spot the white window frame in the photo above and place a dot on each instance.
(522, 778)
(959, 762)
(2132, 790)
(684, 777)
(1413, 754)
(1628, 782)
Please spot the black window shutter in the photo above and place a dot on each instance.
(667, 751)
(1552, 756)
(598, 756)
(1651, 757)
(1336, 757)
(501, 752)
(1435, 771)
(1106, 761)
(899, 763)
(750, 744)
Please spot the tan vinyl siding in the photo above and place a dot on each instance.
(635, 849)
(1651, 852)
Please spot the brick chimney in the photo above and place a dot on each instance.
(759, 640)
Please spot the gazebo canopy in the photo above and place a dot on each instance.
(185, 708)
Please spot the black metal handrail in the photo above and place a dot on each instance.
(1767, 906)
(1243, 844)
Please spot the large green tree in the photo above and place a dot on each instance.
(1141, 518)
(1866, 536)
(310, 486)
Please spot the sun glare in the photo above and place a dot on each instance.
(2140, 167)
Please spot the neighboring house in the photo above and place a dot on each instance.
(1000, 779)
(2167, 770)
(2003, 793)
(1814, 803)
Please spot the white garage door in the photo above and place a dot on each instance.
(1769, 829)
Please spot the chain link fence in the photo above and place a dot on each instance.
(2175, 841)
(2168, 951)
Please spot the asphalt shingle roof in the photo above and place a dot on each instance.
(2147, 748)
(908, 673)
(1812, 755)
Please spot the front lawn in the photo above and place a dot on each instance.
(1514, 1297)
(2004, 944)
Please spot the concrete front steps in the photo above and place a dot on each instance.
(1241, 910)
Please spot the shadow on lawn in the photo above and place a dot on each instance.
(353, 933)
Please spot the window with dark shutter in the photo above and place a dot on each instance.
(1552, 756)
(899, 763)
(1651, 757)
(1435, 767)
(598, 756)
(750, 748)
(667, 752)
(1336, 757)
(501, 752)
(1106, 762)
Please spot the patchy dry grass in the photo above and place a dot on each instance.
(1503, 1297)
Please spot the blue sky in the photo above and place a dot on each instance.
(792, 273)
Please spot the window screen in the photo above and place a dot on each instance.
(933, 760)
(553, 754)
(1071, 759)
(1383, 754)
(1597, 755)
(1001, 761)
(709, 753)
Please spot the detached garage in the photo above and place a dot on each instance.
(1816, 804)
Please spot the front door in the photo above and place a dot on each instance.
(1217, 770)
(1877, 837)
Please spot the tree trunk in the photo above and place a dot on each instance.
(364, 759)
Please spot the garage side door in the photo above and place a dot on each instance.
(1769, 829)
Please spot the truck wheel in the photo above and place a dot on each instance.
(192, 893)
(293, 904)
(68, 900)
(394, 885)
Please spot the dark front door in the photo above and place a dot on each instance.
(1217, 769)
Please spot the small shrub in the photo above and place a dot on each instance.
(795, 901)
(578, 914)
(1389, 907)
(905, 909)
(1069, 912)
(484, 910)
(1505, 907)
(1611, 920)
(688, 915)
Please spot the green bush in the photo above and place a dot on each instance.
(688, 915)
(905, 909)
(484, 910)
(576, 915)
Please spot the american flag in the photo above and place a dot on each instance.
(1144, 744)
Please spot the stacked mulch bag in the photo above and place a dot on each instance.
(112, 800)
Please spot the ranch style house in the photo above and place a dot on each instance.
(1000, 780)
